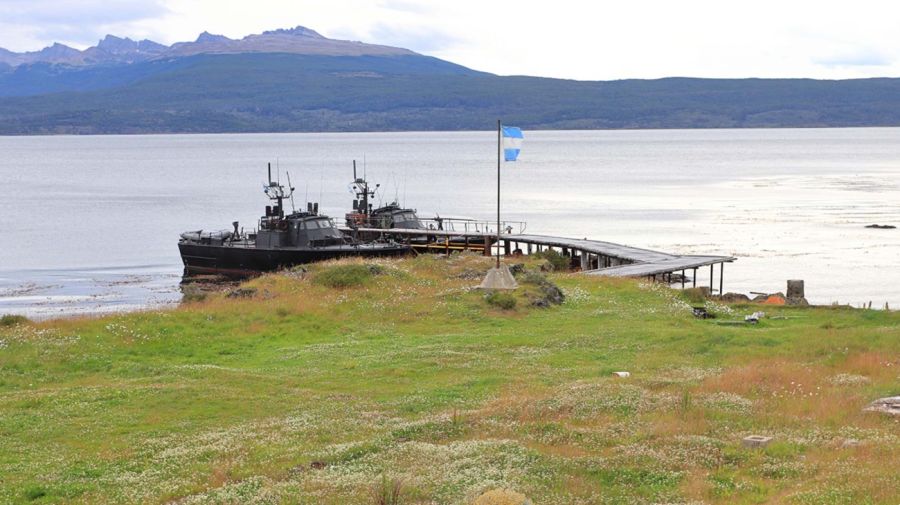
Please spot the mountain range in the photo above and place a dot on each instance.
(115, 50)
(297, 80)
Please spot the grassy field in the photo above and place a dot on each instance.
(329, 385)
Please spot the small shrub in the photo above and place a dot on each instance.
(686, 401)
(345, 276)
(557, 261)
(548, 292)
(192, 294)
(388, 492)
(533, 277)
(501, 300)
(695, 296)
(12, 320)
(35, 492)
(502, 497)
(282, 312)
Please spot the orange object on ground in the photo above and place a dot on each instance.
(775, 300)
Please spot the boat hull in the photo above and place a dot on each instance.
(248, 261)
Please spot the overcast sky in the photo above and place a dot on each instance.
(552, 38)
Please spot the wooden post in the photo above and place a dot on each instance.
(682, 279)
(584, 261)
(711, 279)
(695, 277)
(529, 248)
(506, 247)
(487, 246)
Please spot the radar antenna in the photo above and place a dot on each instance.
(275, 191)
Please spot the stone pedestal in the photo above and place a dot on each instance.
(795, 289)
(756, 441)
(796, 294)
(499, 278)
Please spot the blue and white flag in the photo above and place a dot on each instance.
(512, 142)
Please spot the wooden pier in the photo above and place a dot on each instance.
(593, 257)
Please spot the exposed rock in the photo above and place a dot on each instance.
(517, 268)
(773, 299)
(241, 293)
(552, 295)
(889, 405)
(734, 298)
(207, 37)
(470, 274)
(549, 293)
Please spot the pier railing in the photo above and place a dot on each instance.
(463, 225)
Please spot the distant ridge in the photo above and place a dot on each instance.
(112, 49)
(298, 80)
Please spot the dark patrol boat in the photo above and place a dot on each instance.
(386, 217)
(281, 241)
(402, 224)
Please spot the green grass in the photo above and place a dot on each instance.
(356, 382)
(346, 276)
(12, 319)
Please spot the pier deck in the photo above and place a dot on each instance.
(595, 257)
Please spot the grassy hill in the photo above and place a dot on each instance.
(271, 92)
(328, 386)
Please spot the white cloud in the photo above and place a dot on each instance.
(561, 38)
(32, 24)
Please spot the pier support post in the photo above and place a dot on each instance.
(506, 251)
(711, 272)
(584, 261)
(721, 278)
(487, 246)
(682, 279)
(695, 277)
(529, 248)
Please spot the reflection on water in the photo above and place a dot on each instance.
(91, 223)
(50, 293)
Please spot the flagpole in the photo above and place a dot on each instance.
(499, 147)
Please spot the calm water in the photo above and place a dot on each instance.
(91, 223)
